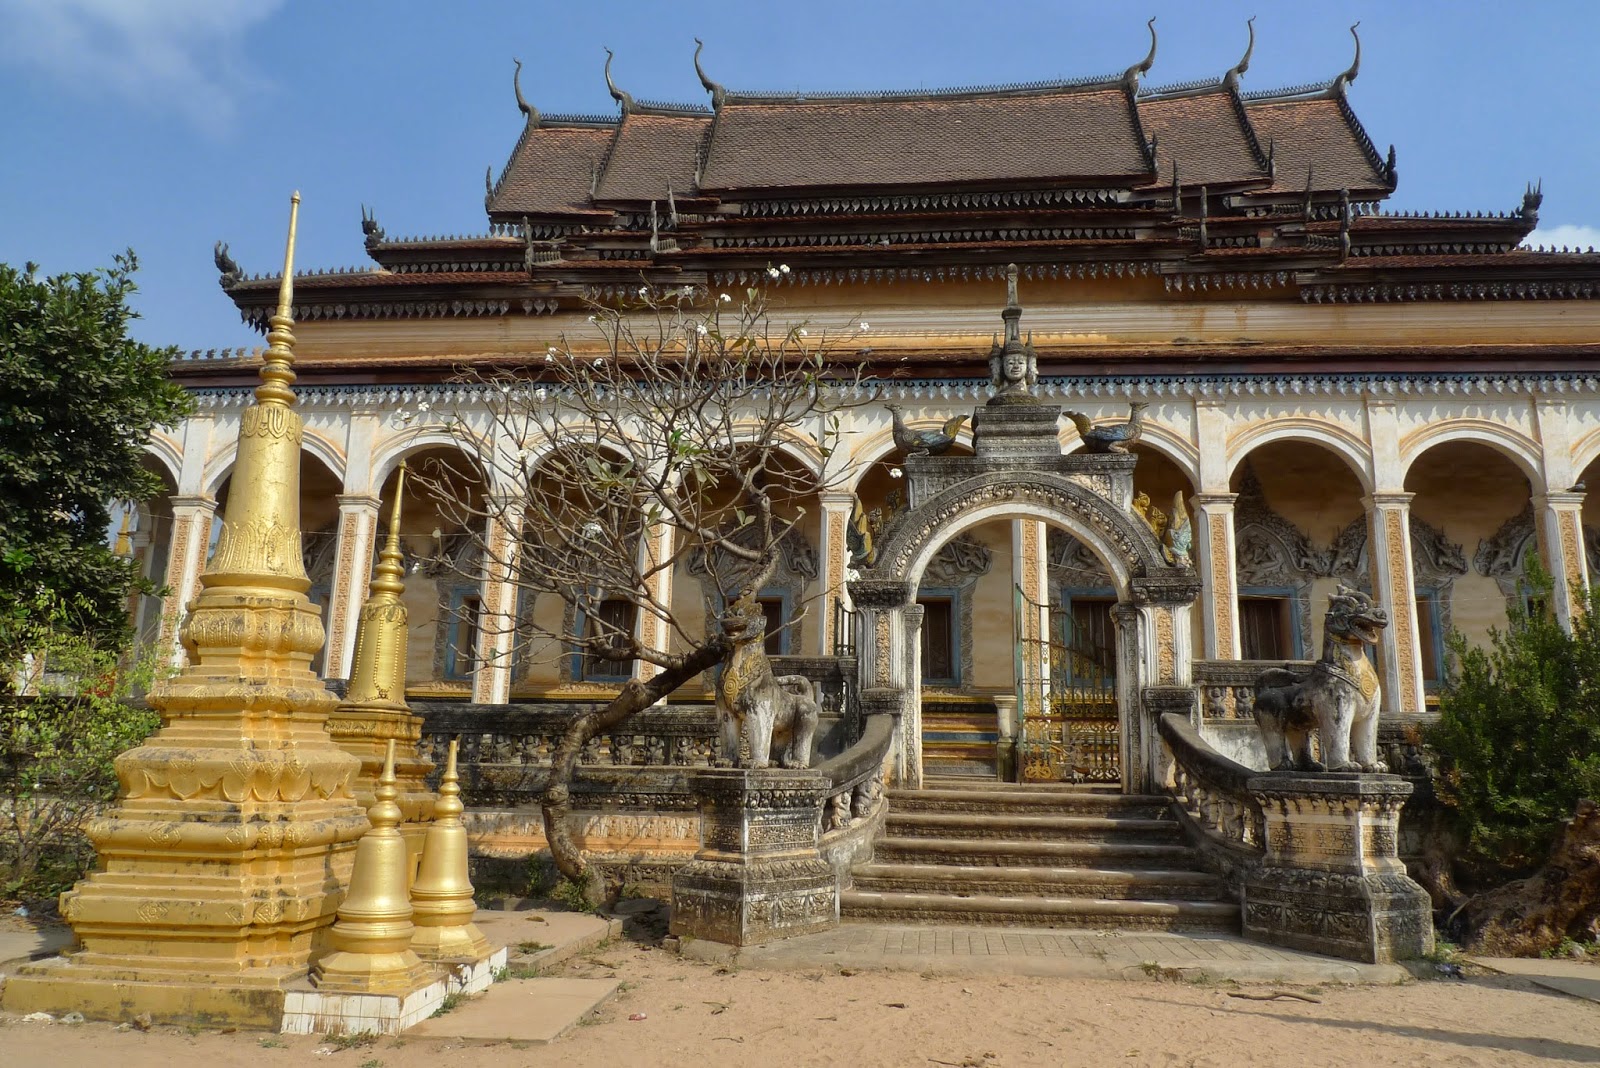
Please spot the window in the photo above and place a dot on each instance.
(613, 617)
(775, 608)
(1430, 637)
(1092, 637)
(1265, 628)
(461, 635)
(941, 663)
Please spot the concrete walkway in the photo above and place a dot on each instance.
(1077, 954)
(21, 942)
(1577, 978)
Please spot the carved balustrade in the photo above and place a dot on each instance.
(1227, 688)
(505, 750)
(1213, 794)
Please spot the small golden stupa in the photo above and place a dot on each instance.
(374, 711)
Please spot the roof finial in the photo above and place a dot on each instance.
(522, 104)
(625, 99)
(1531, 199)
(488, 182)
(1389, 170)
(1231, 79)
(717, 91)
(1343, 80)
(672, 205)
(1130, 77)
(1305, 207)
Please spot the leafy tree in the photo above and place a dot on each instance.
(1518, 737)
(71, 713)
(78, 400)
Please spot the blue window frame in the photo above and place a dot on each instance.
(941, 635)
(775, 607)
(587, 667)
(461, 633)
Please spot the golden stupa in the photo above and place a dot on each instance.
(225, 860)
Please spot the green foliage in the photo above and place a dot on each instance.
(78, 400)
(1518, 736)
(69, 715)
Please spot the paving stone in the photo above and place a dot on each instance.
(521, 1010)
(1577, 978)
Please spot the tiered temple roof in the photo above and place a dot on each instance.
(1210, 188)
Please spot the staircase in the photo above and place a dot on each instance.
(958, 740)
(1045, 855)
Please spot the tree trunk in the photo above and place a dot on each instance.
(1561, 900)
(634, 698)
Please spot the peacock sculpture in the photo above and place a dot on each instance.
(924, 442)
(1113, 437)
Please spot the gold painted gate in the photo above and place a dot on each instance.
(1070, 729)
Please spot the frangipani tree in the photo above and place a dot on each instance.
(616, 459)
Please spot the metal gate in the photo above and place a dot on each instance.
(1066, 697)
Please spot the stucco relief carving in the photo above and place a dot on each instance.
(1436, 561)
(961, 561)
(1503, 555)
(797, 567)
(1271, 552)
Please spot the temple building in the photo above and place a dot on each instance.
(1404, 402)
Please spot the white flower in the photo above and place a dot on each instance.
(700, 328)
(804, 332)
(864, 326)
(592, 319)
(773, 272)
(505, 390)
(783, 268)
(725, 298)
(539, 394)
(549, 356)
(592, 529)
(644, 291)
(895, 472)
(598, 362)
(422, 406)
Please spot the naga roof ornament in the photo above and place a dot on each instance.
(1231, 78)
(1343, 80)
(622, 97)
(1130, 77)
(522, 104)
(718, 93)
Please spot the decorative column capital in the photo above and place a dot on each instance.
(1387, 499)
(358, 502)
(1560, 501)
(1214, 502)
(195, 501)
(837, 499)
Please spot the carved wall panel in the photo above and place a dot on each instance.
(958, 566)
(1436, 561)
(1270, 551)
(798, 566)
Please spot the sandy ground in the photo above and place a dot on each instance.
(701, 1015)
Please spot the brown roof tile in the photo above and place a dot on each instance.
(1202, 134)
(649, 152)
(1313, 131)
(551, 170)
(1083, 134)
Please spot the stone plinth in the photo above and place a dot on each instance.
(1332, 881)
(758, 875)
(1016, 430)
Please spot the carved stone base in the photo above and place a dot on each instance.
(1332, 881)
(1020, 430)
(758, 875)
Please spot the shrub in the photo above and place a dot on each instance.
(1518, 737)
(67, 708)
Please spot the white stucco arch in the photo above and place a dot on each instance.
(169, 453)
(1516, 447)
(1348, 446)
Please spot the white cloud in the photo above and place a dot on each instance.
(183, 55)
(1566, 235)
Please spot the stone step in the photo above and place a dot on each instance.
(1012, 826)
(933, 782)
(895, 849)
(1151, 884)
(874, 906)
(997, 797)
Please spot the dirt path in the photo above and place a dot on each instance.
(699, 1016)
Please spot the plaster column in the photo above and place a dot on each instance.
(497, 615)
(358, 526)
(191, 535)
(1389, 542)
(655, 548)
(890, 675)
(1561, 538)
(1214, 559)
(834, 563)
(1029, 574)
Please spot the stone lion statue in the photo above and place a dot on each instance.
(759, 711)
(1337, 696)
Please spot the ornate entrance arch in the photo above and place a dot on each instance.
(1089, 497)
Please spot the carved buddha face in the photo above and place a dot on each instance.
(1014, 366)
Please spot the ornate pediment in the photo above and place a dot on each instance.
(1269, 549)
(959, 561)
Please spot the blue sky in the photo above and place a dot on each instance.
(166, 125)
